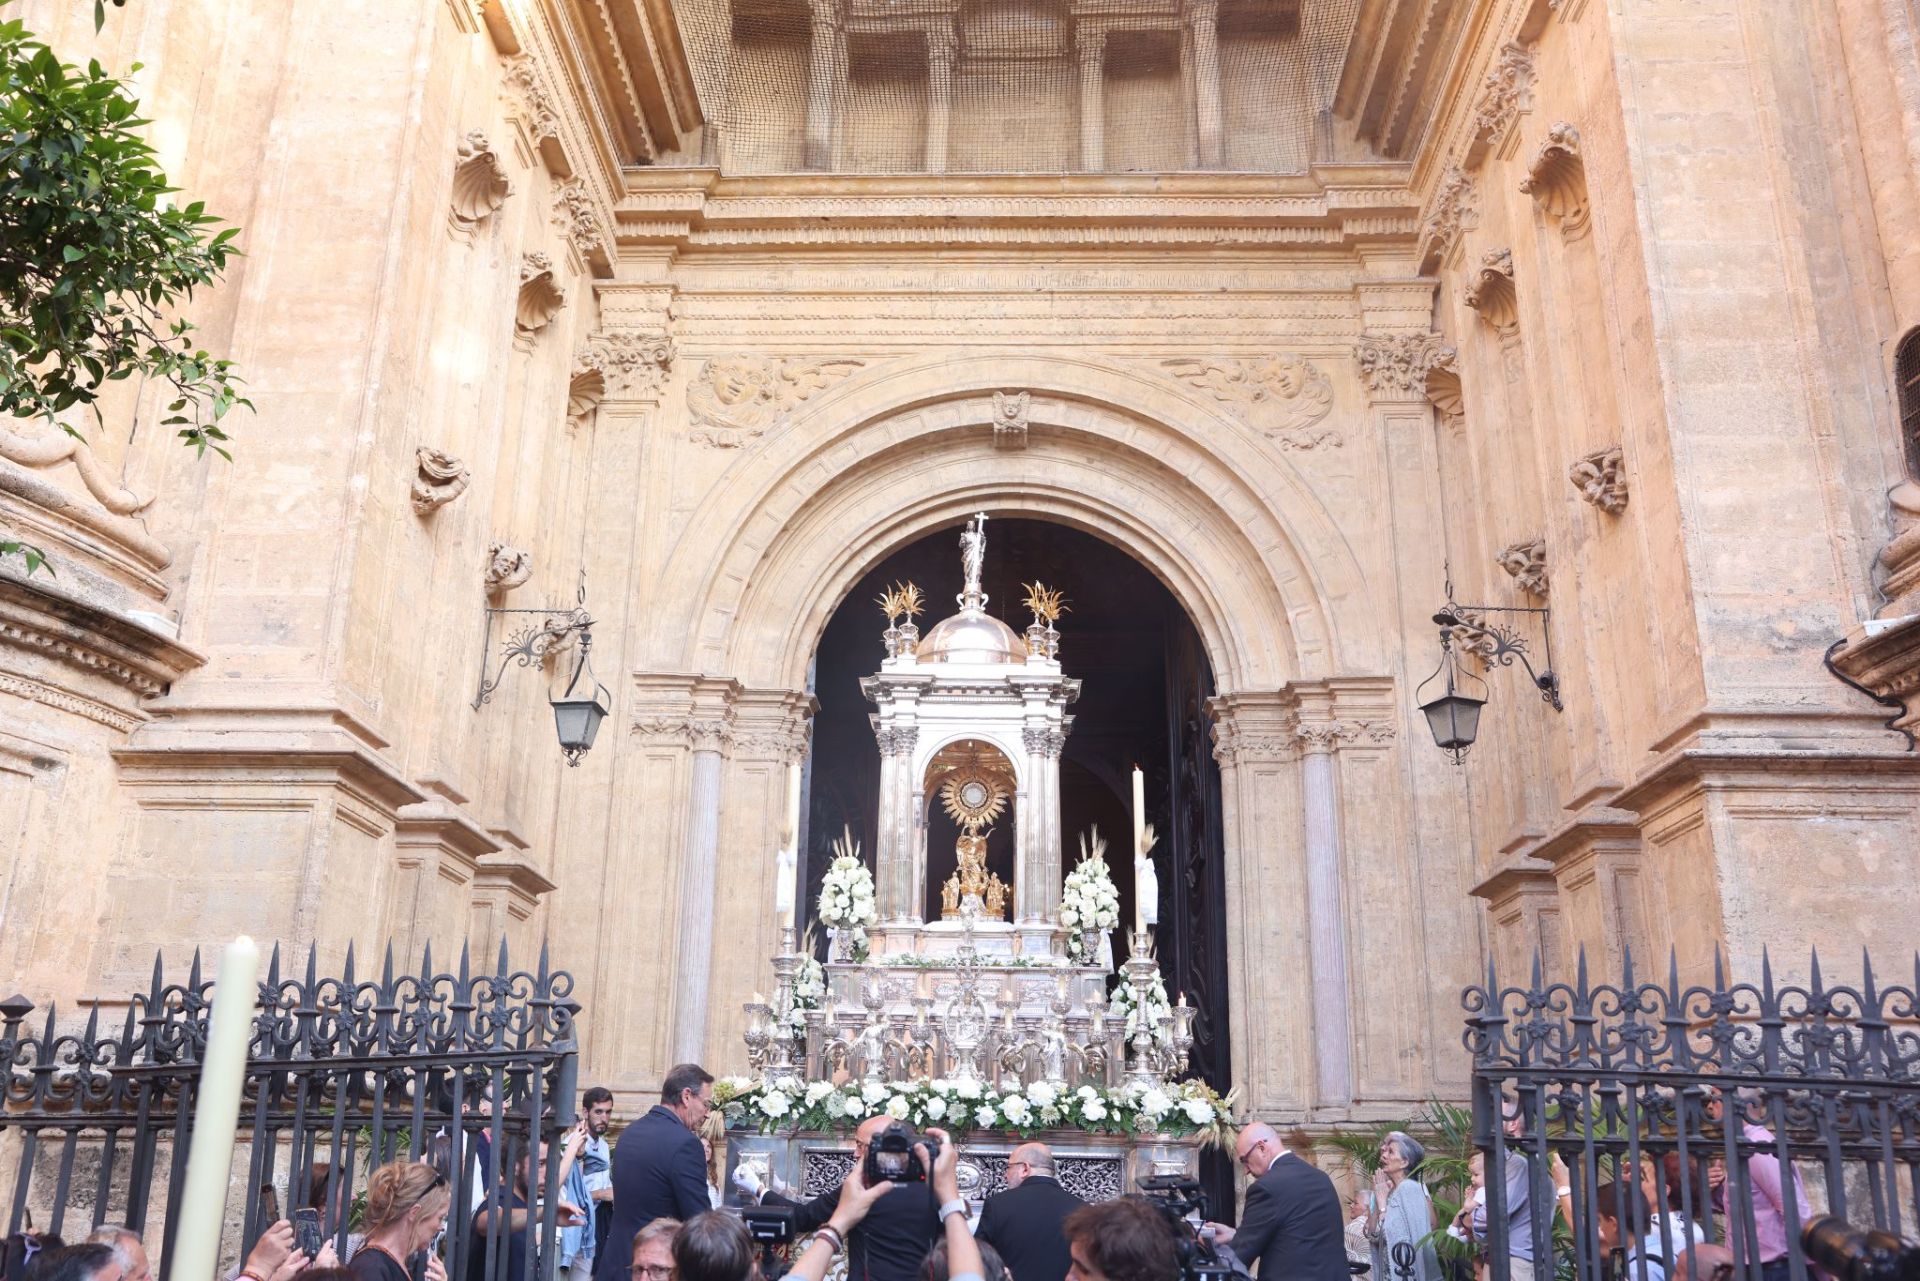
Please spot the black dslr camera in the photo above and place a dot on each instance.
(891, 1157)
(1177, 1197)
(1852, 1255)
(770, 1227)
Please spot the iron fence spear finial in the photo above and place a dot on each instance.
(346, 970)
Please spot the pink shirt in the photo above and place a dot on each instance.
(1769, 1203)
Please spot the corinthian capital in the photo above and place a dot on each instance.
(1395, 366)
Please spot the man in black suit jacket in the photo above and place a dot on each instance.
(659, 1169)
(892, 1241)
(1290, 1224)
(1023, 1223)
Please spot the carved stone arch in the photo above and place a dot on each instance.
(1237, 536)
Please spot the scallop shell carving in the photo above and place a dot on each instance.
(585, 391)
(480, 184)
(540, 297)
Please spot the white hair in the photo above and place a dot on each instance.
(116, 1237)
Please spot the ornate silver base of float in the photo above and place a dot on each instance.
(1094, 1167)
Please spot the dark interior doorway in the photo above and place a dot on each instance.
(1145, 681)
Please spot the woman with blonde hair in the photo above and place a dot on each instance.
(713, 1141)
(407, 1204)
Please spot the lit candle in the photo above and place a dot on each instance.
(791, 837)
(223, 1075)
(1139, 840)
(783, 878)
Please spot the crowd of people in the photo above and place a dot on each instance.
(649, 1208)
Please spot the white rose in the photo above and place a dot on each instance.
(936, 1108)
(1087, 1092)
(1016, 1110)
(872, 1093)
(775, 1104)
(986, 1118)
(1094, 1110)
(1155, 1103)
(898, 1107)
(1069, 918)
(1042, 1094)
(940, 1085)
(818, 1090)
(1198, 1111)
(968, 1089)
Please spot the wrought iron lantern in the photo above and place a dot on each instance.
(1453, 714)
(582, 705)
(583, 702)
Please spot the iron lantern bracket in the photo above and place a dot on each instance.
(528, 645)
(1499, 645)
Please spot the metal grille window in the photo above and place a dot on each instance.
(1906, 381)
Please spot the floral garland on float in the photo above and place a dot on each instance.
(1178, 1109)
(846, 904)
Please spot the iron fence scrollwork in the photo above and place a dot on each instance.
(466, 1068)
(1739, 1111)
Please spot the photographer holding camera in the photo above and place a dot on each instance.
(863, 1198)
(895, 1231)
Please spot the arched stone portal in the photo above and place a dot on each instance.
(1297, 648)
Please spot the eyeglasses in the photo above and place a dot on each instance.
(651, 1271)
(1247, 1156)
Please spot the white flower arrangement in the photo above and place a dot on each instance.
(1177, 1108)
(846, 896)
(1158, 1007)
(1088, 900)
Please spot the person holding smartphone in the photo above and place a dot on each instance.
(407, 1203)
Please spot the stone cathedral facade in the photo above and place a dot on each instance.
(687, 315)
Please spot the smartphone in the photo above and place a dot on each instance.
(306, 1232)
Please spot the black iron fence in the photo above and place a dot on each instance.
(1622, 1123)
(463, 1068)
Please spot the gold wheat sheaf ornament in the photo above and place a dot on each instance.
(901, 600)
(1046, 603)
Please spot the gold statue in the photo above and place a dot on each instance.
(950, 898)
(972, 880)
(996, 898)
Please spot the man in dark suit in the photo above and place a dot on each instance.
(892, 1241)
(1290, 1224)
(1023, 1223)
(659, 1170)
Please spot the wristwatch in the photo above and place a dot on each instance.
(955, 1206)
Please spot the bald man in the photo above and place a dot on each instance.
(892, 1241)
(1023, 1223)
(1290, 1225)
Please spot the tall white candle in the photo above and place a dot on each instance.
(1139, 839)
(786, 889)
(216, 1113)
(784, 865)
(791, 837)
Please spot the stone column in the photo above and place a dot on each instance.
(1326, 916)
(1037, 896)
(1091, 47)
(1203, 21)
(1273, 1030)
(942, 48)
(823, 76)
(699, 868)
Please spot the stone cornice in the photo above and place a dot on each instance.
(1336, 206)
(283, 747)
(43, 620)
(1515, 877)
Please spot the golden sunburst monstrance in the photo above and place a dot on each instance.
(973, 796)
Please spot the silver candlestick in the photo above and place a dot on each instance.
(1140, 969)
(787, 1050)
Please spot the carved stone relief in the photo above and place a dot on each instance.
(1491, 293)
(438, 479)
(736, 399)
(1455, 209)
(1601, 479)
(507, 568)
(534, 106)
(1010, 419)
(56, 446)
(480, 183)
(1507, 91)
(1557, 180)
(540, 298)
(575, 216)
(1443, 388)
(1526, 562)
(587, 386)
(1397, 366)
(1285, 396)
(1471, 636)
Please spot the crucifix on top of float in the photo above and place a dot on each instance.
(975, 715)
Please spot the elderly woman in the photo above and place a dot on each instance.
(1401, 1215)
